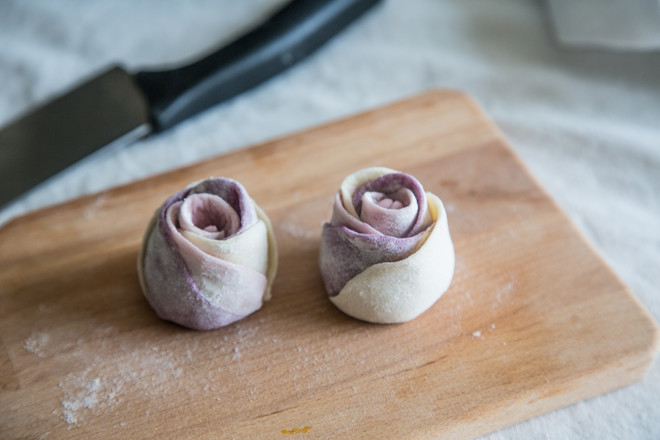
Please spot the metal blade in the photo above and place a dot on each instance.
(105, 110)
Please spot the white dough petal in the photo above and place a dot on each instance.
(249, 248)
(272, 252)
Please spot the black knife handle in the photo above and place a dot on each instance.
(294, 32)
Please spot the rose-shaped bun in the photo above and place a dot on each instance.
(386, 254)
(208, 257)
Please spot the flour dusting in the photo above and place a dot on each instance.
(83, 394)
(98, 389)
(92, 211)
(297, 231)
(36, 343)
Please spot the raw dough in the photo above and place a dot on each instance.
(386, 254)
(208, 257)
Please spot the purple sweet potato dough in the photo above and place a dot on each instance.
(208, 257)
(404, 214)
(391, 214)
(386, 254)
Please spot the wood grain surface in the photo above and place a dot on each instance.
(533, 321)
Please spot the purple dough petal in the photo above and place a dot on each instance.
(345, 253)
(174, 295)
(230, 191)
(392, 214)
(209, 216)
(341, 217)
(390, 184)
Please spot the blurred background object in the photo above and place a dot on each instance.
(609, 24)
(118, 107)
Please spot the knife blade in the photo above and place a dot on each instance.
(117, 107)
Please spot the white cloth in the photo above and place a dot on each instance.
(586, 122)
(607, 24)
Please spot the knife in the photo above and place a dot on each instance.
(117, 107)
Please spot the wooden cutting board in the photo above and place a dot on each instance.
(534, 320)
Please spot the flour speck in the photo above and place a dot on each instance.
(36, 343)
